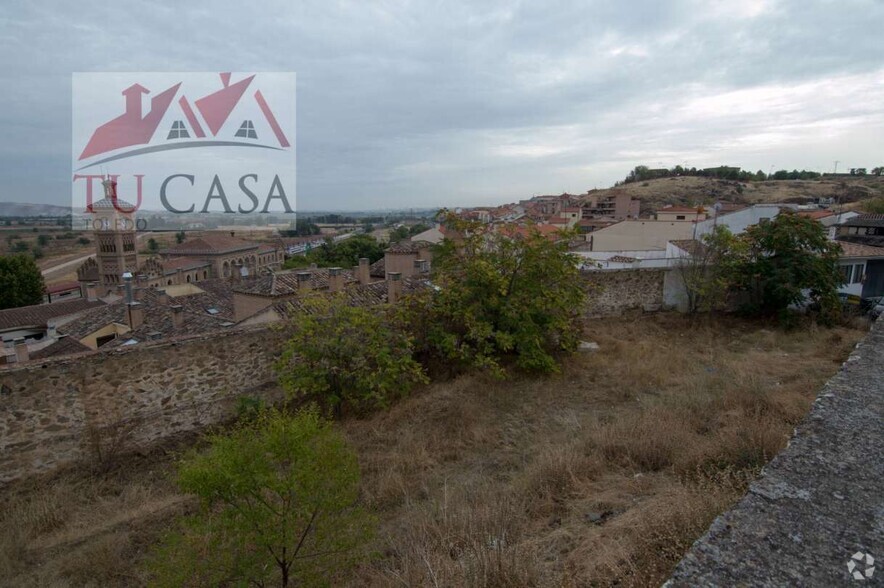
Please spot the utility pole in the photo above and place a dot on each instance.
(836, 167)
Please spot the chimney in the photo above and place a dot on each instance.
(335, 279)
(162, 296)
(177, 315)
(304, 280)
(21, 350)
(51, 330)
(394, 287)
(138, 293)
(127, 286)
(134, 314)
(92, 291)
(363, 271)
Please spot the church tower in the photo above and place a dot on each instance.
(113, 223)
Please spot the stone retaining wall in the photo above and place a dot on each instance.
(819, 504)
(615, 291)
(84, 407)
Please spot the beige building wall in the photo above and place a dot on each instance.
(639, 235)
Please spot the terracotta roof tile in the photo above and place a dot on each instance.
(859, 250)
(39, 314)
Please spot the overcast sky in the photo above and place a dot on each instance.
(455, 103)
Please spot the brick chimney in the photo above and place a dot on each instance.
(134, 314)
(335, 279)
(177, 315)
(162, 296)
(91, 293)
(363, 271)
(304, 280)
(22, 354)
(394, 287)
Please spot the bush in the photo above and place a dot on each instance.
(499, 294)
(347, 357)
(278, 505)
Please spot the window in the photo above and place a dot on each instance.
(857, 273)
(679, 217)
(100, 341)
(178, 131)
(846, 271)
(247, 130)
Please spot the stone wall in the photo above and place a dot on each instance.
(818, 503)
(58, 412)
(615, 291)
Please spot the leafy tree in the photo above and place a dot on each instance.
(20, 247)
(22, 282)
(278, 504)
(705, 271)
(43, 240)
(344, 253)
(784, 261)
(499, 293)
(152, 245)
(83, 241)
(399, 234)
(347, 357)
(417, 229)
(296, 262)
(180, 236)
(347, 253)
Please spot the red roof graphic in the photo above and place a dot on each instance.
(131, 128)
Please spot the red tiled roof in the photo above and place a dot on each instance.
(815, 214)
(858, 250)
(62, 287)
(38, 314)
(63, 346)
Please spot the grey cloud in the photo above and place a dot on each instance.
(406, 103)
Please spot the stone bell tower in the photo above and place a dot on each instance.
(113, 225)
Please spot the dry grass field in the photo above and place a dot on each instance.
(602, 475)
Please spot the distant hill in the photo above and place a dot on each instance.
(692, 190)
(23, 209)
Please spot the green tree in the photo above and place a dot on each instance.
(706, 270)
(22, 282)
(279, 503)
(43, 240)
(152, 245)
(346, 357)
(499, 293)
(399, 234)
(874, 205)
(83, 241)
(417, 229)
(20, 247)
(785, 262)
(180, 236)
